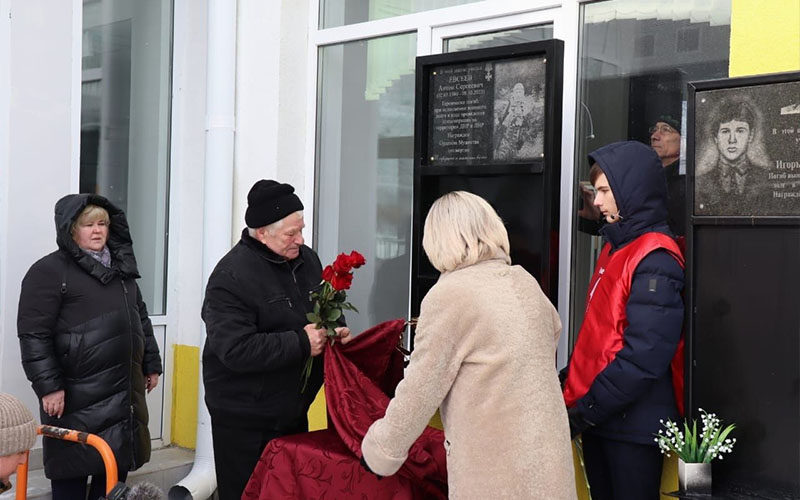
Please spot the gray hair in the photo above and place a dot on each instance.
(273, 228)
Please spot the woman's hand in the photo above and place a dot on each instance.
(53, 403)
(343, 334)
(150, 381)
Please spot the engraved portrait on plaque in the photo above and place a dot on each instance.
(747, 151)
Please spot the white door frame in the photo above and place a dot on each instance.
(564, 19)
(491, 25)
(431, 28)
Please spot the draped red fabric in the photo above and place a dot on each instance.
(360, 377)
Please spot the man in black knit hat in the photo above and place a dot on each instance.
(257, 336)
(665, 139)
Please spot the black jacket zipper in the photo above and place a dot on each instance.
(131, 420)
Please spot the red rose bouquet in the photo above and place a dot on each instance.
(331, 299)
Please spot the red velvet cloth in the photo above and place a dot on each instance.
(360, 377)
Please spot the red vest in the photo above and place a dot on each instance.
(601, 335)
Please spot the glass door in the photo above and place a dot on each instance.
(514, 29)
(364, 130)
(493, 32)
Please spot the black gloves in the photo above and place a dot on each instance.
(577, 422)
(364, 465)
(562, 376)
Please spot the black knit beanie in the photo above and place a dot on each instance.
(671, 121)
(269, 201)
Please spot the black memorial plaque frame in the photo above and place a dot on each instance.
(488, 121)
(742, 275)
(740, 169)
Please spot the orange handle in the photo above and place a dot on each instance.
(92, 440)
(22, 479)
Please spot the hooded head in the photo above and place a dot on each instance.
(119, 242)
(636, 177)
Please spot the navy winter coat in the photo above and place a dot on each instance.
(634, 391)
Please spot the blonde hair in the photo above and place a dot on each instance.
(462, 229)
(90, 213)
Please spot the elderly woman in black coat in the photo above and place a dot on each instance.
(87, 344)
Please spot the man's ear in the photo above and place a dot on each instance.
(261, 234)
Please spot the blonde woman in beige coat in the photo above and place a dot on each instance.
(484, 355)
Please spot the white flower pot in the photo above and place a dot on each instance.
(694, 479)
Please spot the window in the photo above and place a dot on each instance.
(365, 172)
(499, 38)
(624, 88)
(335, 13)
(125, 123)
(644, 46)
(688, 39)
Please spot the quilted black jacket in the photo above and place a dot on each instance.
(84, 328)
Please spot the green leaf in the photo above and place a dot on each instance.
(333, 314)
(313, 318)
(687, 438)
(316, 307)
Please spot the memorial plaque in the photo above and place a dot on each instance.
(747, 151)
(742, 270)
(488, 121)
(487, 112)
(460, 102)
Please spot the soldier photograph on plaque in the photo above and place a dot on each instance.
(747, 150)
(519, 109)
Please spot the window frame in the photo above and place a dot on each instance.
(431, 27)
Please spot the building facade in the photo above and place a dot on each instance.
(173, 108)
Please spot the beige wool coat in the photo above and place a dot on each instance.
(484, 354)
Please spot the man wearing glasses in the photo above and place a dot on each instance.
(665, 139)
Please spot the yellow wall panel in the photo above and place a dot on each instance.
(765, 36)
(318, 412)
(184, 395)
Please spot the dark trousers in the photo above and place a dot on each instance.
(622, 471)
(74, 488)
(236, 453)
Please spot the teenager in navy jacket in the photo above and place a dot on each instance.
(626, 368)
